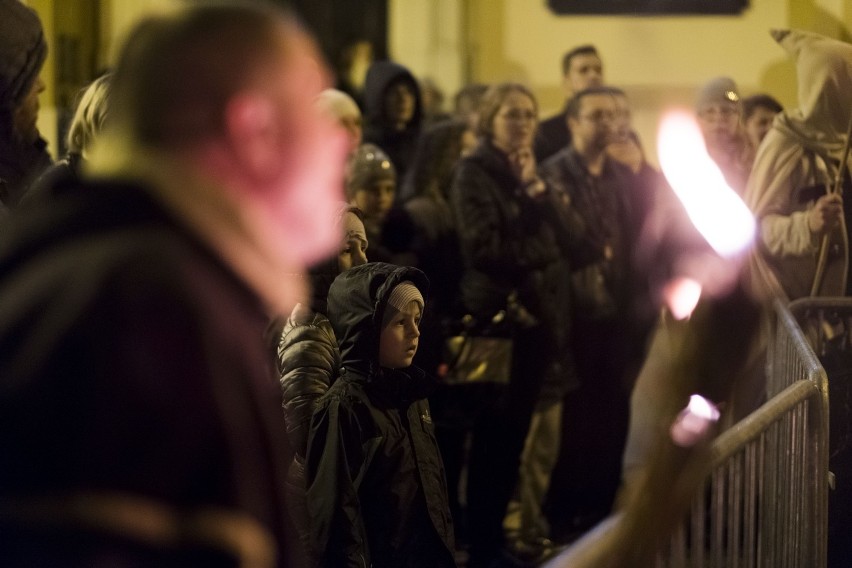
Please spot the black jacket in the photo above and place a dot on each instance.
(20, 166)
(552, 136)
(376, 486)
(511, 242)
(399, 145)
(132, 362)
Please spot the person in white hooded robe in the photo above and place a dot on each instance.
(803, 220)
(798, 161)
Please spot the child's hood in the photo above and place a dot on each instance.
(356, 306)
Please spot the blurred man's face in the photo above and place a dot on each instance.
(594, 128)
(25, 116)
(758, 124)
(585, 71)
(351, 123)
(719, 123)
(312, 152)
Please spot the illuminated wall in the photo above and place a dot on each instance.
(659, 61)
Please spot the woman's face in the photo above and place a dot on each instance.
(515, 123)
(353, 249)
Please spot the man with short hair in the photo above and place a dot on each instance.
(758, 113)
(611, 313)
(23, 152)
(581, 69)
(140, 420)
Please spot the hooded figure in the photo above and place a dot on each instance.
(394, 112)
(376, 486)
(23, 154)
(796, 163)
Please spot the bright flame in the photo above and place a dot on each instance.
(694, 421)
(713, 207)
(700, 406)
(681, 296)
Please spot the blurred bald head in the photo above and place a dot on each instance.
(178, 73)
(225, 92)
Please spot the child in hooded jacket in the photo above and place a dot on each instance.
(376, 487)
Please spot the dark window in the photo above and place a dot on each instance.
(648, 7)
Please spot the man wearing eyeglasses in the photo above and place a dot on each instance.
(612, 202)
(719, 113)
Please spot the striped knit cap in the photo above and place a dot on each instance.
(400, 296)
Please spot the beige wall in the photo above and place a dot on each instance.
(47, 114)
(116, 18)
(659, 61)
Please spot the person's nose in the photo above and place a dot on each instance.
(359, 257)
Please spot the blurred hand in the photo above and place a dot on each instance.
(825, 214)
(522, 162)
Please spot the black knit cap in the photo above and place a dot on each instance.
(22, 51)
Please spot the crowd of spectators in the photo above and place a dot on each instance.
(201, 207)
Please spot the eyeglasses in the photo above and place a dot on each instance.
(519, 115)
(599, 116)
(717, 112)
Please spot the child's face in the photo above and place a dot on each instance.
(353, 249)
(376, 199)
(399, 339)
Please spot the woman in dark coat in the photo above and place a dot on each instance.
(515, 236)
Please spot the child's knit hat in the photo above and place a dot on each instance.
(404, 293)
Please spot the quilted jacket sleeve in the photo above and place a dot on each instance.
(308, 362)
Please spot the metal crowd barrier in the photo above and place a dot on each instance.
(765, 503)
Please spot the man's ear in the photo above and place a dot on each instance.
(251, 127)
